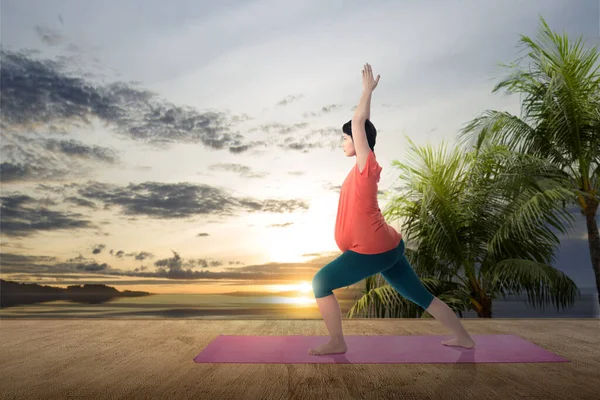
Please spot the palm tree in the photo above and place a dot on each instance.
(480, 224)
(380, 300)
(560, 120)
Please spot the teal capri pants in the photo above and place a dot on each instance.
(352, 267)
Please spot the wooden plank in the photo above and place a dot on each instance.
(140, 359)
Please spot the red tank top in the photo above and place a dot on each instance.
(359, 225)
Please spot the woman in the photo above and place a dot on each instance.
(368, 244)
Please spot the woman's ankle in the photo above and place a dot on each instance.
(337, 339)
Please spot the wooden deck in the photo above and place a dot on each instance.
(153, 359)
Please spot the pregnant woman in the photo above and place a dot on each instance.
(368, 244)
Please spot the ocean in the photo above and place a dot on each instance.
(211, 306)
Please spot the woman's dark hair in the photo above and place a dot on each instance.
(369, 129)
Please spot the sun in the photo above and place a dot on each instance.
(304, 290)
(305, 287)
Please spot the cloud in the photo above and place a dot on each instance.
(22, 215)
(41, 92)
(290, 99)
(279, 128)
(281, 225)
(18, 220)
(175, 267)
(300, 137)
(241, 170)
(49, 36)
(80, 202)
(317, 138)
(138, 256)
(323, 110)
(36, 158)
(98, 249)
(142, 255)
(330, 186)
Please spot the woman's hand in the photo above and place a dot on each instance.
(368, 82)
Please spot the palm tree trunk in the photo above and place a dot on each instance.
(486, 307)
(481, 303)
(594, 240)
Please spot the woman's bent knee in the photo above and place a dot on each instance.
(428, 300)
(320, 287)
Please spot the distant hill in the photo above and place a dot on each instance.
(16, 293)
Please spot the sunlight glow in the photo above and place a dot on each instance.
(304, 300)
(308, 232)
(303, 287)
(298, 301)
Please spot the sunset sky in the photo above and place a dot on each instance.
(205, 137)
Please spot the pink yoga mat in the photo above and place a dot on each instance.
(385, 349)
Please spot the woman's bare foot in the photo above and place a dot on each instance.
(467, 342)
(332, 347)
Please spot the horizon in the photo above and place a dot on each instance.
(302, 287)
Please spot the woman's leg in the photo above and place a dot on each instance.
(346, 270)
(403, 278)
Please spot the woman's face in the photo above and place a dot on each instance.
(348, 145)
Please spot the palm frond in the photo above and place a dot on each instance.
(542, 283)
